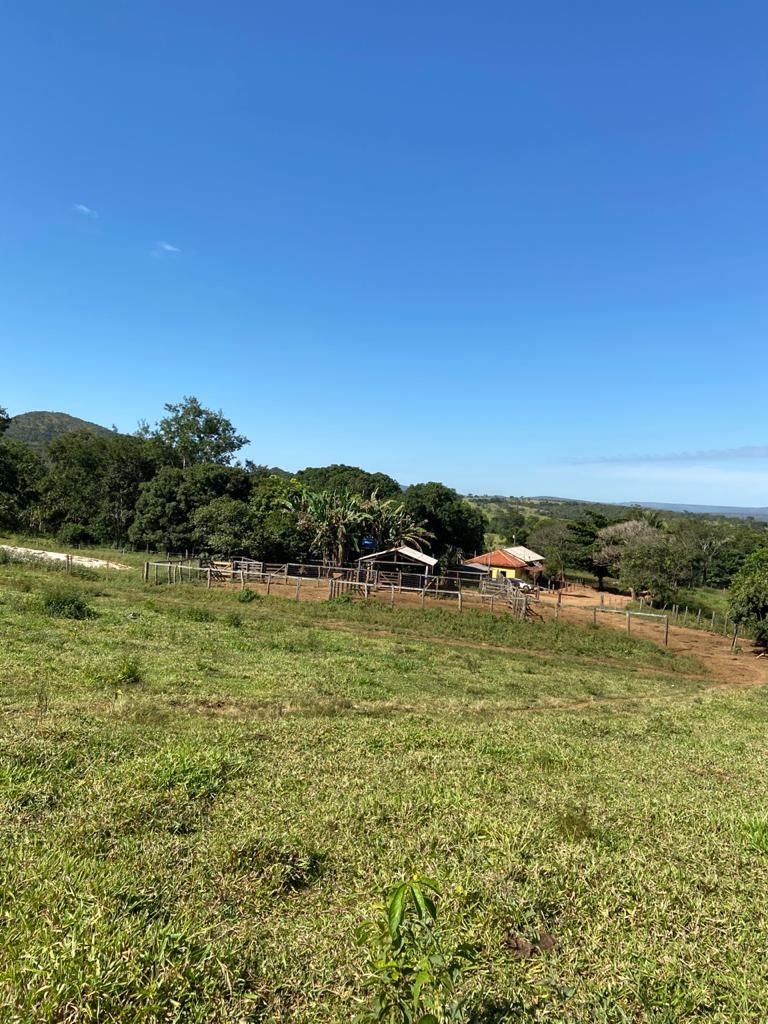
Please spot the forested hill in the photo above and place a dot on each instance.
(574, 508)
(38, 429)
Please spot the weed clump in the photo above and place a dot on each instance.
(128, 672)
(246, 596)
(66, 603)
(283, 867)
(193, 614)
(233, 619)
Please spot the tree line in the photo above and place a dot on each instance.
(176, 486)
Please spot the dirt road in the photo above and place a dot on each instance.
(58, 556)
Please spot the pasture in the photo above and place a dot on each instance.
(203, 796)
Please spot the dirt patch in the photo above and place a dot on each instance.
(58, 556)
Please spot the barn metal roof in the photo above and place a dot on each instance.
(417, 556)
(525, 554)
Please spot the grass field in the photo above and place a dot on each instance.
(202, 798)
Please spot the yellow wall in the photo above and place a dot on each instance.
(509, 573)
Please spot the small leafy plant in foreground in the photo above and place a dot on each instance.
(411, 978)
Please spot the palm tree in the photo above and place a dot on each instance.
(391, 524)
(334, 519)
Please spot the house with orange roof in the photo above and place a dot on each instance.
(516, 562)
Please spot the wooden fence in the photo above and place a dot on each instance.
(494, 595)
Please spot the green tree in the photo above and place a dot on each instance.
(748, 597)
(457, 528)
(585, 532)
(22, 474)
(703, 539)
(350, 479)
(222, 526)
(613, 541)
(654, 562)
(93, 484)
(130, 462)
(5, 420)
(191, 434)
(168, 502)
(72, 493)
(510, 525)
(275, 534)
(558, 545)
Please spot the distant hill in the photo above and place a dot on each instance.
(547, 506)
(38, 429)
(731, 511)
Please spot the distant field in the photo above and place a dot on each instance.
(202, 798)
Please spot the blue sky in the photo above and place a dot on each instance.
(521, 248)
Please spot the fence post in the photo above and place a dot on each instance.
(735, 636)
(155, 572)
(423, 595)
(666, 631)
(712, 626)
(557, 611)
(146, 572)
(524, 608)
(208, 581)
(269, 582)
(725, 625)
(629, 619)
(392, 597)
(459, 599)
(298, 587)
(594, 616)
(242, 580)
(698, 618)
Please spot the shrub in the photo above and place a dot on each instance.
(66, 603)
(246, 596)
(75, 533)
(81, 572)
(234, 619)
(748, 599)
(194, 614)
(282, 867)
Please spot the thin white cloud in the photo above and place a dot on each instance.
(746, 452)
(86, 211)
(167, 247)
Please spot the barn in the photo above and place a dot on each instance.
(398, 562)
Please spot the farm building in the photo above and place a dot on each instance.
(515, 563)
(399, 560)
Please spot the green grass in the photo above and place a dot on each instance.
(201, 799)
